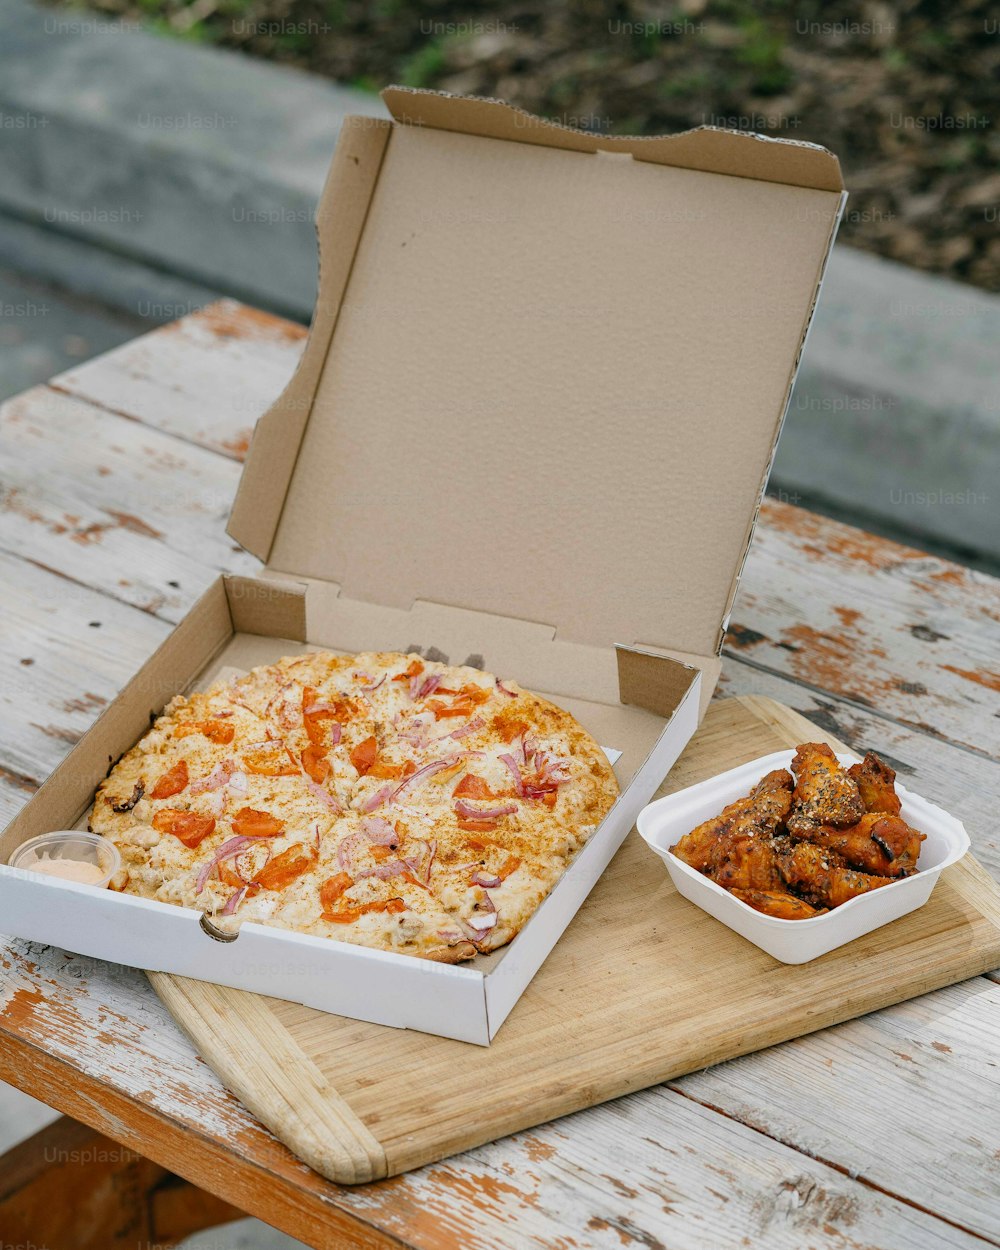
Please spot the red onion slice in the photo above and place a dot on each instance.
(551, 767)
(239, 783)
(486, 919)
(511, 694)
(234, 901)
(384, 872)
(486, 880)
(239, 843)
(379, 831)
(468, 812)
(383, 795)
(477, 722)
(218, 777)
(515, 772)
(428, 770)
(421, 687)
(231, 847)
(345, 851)
(324, 796)
(533, 791)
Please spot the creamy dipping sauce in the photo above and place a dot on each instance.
(67, 869)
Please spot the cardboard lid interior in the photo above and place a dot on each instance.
(557, 370)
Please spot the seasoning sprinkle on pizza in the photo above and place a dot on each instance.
(380, 799)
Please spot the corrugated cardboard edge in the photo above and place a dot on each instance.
(267, 606)
(646, 681)
(792, 375)
(277, 436)
(741, 154)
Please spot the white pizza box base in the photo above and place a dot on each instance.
(468, 1002)
(532, 425)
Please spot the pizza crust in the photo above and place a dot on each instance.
(378, 799)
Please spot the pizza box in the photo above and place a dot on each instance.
(530, 430)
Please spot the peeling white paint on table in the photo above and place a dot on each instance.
(116, 481)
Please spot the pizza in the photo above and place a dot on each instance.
(381, 799)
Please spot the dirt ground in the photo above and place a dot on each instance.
(904, 93)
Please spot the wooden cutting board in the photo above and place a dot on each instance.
(642, 987)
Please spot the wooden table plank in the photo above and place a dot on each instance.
(96, 1042)
(928, 1110)
(651, 1169)
(71, 1186)
(650, 1172)
(65, 652)
(906, 634)
(205, 378)
(113, 503)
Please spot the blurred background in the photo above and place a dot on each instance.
(159, 154)
(902, 92)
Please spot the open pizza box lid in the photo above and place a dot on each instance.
(546, 371)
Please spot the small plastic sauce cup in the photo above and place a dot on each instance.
(69, 855)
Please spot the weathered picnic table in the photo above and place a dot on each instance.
(117, 479)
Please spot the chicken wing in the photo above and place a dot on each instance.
(822, 876)
(760, 812)
(876, 782)
(745, 862)
(778, 903)
(884, 845)
(772, 800)
(824, 793)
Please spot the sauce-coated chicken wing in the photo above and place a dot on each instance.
(884, 845)
(760, 812)
(824, 793)
(876, 782)
(822, 876)
(779, 903)
(745, 862)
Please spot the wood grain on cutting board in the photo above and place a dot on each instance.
(642, 987)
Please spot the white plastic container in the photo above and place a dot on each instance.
(662, 823)
(74, 847)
